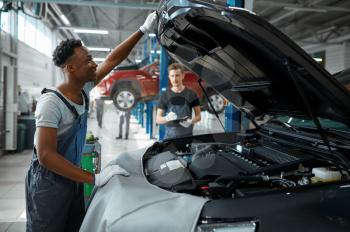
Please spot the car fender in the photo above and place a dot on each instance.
(134, 84)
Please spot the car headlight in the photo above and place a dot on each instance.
(249, 226)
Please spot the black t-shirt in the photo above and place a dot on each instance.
(181, 104)
(187, 96)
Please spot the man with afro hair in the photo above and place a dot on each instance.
(54, 193)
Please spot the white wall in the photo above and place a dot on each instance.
(335, 58)
(8, 84)
(347, 55)
(35, 70)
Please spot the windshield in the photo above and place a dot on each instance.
(325, 123)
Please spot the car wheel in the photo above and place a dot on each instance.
(217, 101)
(125, 98)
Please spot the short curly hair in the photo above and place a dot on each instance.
(65, 50)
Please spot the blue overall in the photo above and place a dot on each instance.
(174, 129)
(55, 203)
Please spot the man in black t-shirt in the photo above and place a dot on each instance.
(177, 105)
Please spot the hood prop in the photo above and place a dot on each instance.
(211, 105)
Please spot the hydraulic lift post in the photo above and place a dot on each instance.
(232, 114)
(163, 82)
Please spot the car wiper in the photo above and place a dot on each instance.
(302, 129)
(312, 113)
(285, 124)
(318, 152)
(342, 134)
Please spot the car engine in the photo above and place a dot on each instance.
(222, 170)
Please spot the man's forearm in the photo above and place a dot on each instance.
(58, 164)
(121, 52)
(117, 55)
(196, 119)
(161, 120)
(197, 113)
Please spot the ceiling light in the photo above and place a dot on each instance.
(64, 19)
(318, 59)
(99, 59)
(138, 61)
(154, 51)
(91, 31)
(152, 35)
(99, 49)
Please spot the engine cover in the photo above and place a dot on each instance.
(166, 170)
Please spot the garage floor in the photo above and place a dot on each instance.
(13, 167)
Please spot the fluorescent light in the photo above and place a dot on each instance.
(158, 51)
(99, 49)
(99, 59)
(91, 31)
(318, 59)
(138, 61)
(64, 19)
(152, 35)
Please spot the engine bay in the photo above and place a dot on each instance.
(233, 170)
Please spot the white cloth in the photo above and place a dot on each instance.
(107, 173)
(52, 112)
(171, 116)
(132, 204)
(186, 123)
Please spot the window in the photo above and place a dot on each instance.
(34, 33)
(30, 32)
(21, 26)
(5, 22)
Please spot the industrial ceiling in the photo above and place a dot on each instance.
(310, 23)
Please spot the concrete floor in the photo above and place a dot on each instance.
(13, 167)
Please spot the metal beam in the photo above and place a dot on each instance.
(306, 9)
(105, 15)
(283, 16)
(134, 18)
(293, 6)
(93, 15)
(135, 6)
(294, 11)
(331, 23)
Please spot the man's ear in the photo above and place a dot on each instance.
(70, 67)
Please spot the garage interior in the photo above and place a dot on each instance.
(30, 30)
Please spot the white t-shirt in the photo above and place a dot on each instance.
(52, 112)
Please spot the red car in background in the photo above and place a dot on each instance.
(128, 85)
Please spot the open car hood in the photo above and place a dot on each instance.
(240, 54)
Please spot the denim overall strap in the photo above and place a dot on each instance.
(72, 108)
(55, 203)
(70, 144)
